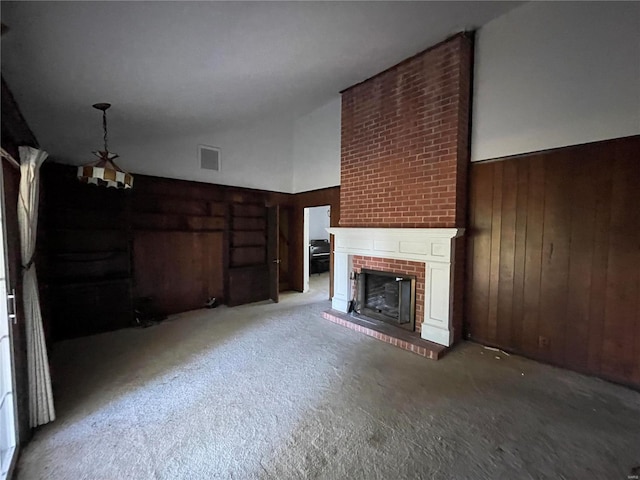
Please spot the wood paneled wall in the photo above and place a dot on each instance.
(180, 270)
(102, 249)
(553, 261)
(84, 258)
(175, 241)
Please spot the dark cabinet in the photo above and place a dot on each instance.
(84, 256)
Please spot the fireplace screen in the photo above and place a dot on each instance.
(388, 296)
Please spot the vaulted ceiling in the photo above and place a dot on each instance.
(172, 68)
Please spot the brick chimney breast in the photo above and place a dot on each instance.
(404, 159)
(405, 145)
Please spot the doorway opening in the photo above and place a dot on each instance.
(317, 251)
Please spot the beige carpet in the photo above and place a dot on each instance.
(275, 392)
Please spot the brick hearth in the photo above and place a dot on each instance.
(388, 334)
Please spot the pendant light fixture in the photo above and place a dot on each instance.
(105, 172)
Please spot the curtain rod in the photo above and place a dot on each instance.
(8, 156)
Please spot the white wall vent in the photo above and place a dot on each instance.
(209, 158)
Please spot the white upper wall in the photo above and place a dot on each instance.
(316, 148)
(275, 153)
(319, 221)
(253, 156)
(552, 74)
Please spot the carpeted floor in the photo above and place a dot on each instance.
(273, 391)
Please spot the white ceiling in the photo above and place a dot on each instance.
(176, 68)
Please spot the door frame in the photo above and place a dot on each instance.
(306, 273)
(14, 430)
(273, 251)
(305, 250)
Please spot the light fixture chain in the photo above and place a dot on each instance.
(104, 126)
(105, 172)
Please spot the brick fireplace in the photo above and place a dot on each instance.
(405, 267)
(389, 292)
(428, 252)
(404, 158)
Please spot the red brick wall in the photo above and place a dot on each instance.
(405, 142)
(397, 266)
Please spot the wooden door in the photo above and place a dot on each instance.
(284, 239)
(273, 251)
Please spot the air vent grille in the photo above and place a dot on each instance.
(209, 158)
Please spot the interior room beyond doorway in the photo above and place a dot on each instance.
(317, 252)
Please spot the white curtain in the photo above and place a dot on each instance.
(41, 408)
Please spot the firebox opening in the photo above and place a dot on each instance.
(388, 296)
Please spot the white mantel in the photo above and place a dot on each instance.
(431, 246)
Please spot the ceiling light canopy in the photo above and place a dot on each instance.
(105, 172)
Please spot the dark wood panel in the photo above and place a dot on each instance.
(83, 240)
(180, 189)
(163, 221)
(65, 267)
(248, 221)
(256, 224)
(583, 193)
(248, 284)
(599, 262)
(519, 255)
(554, 257)
(81, 309)
(622, 290)
(239, 195)
(178, 270)
(217, 209)
(284, 247)
(243, 256)
(157, 221)
(80, 218)
(179, 206)
(84, 255)
(242, 210)
(248, 239)
(479, 252)
(204, 223)
(507, 253)
(71, 196)
(273, 251)
(533, 256)
(75, 215)
(494, 252)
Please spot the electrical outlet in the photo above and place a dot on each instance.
(543, 342)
